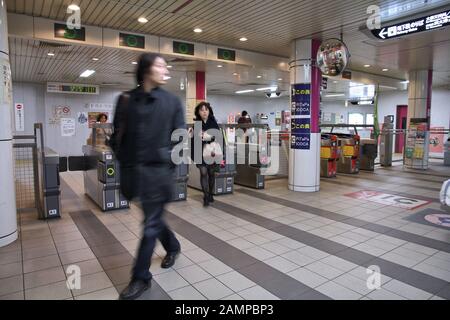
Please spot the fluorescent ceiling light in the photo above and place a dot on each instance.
(73, 7)
(134, 62)
(335, 81)
(87, 73)
(198, 30)
(143, 20)
(235, 74)
(405, 82)
(268, 88)
(335, 95)
(167, 78)
(366, 65)
(259, 77)
(169, 66)
(243, 39)
(219, 66)
(95, 59)
(385, 69)
(280, 79)
(51, 54)
(388, 87)
(245, 91)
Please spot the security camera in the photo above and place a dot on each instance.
(268, 94)
(278, 94)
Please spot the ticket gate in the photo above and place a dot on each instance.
(49, 203)
(101, 178)
(447, 153)
(369, 152)
(249, 162)
(180, 182)
(328, 156)
(349, 154)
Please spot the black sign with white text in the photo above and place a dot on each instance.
(414, 26)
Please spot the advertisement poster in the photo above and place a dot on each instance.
(301, 116)
(92, 117)
(67, 127)
(19, 113)
(82, 118)
(437, 140)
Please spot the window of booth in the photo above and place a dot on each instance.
(369, 118)
(355, 118)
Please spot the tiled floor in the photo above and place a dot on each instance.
(254, 244)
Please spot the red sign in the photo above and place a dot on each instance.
(66, 109)
(19, 106)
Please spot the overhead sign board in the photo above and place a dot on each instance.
(226, 54)
(413, 26)
(62, 31)
(131, 40)
(74, 88)
(183, 48)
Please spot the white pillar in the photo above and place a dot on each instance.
(195, 92)
(304, 154)
(419, 95)
(8, 217)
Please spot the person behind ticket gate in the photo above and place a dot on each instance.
(204, 113)
(245, 118)
(143, 124)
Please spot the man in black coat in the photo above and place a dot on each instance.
(143, 124)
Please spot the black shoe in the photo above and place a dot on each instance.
(134, 289)
(211, 198)
(205, 201)
(169, 260)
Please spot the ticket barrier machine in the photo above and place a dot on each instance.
(49, 203)
(101, 178)
(349, 154)
(369, 152)
(249, 165)
(328, 156)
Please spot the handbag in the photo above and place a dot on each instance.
(212, 153)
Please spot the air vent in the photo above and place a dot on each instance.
(59, 48)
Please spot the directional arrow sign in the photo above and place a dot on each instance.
(413, 26)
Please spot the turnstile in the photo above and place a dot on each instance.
(180, 182)
(447, 153)
(348, 161)
(369, 152)
(49, 184)
(249, 161)
(223, 179)
(328, 156)
(101, 178)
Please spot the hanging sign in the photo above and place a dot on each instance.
(413, 26)
(67, 127)
(5, 81)
(19, 112)
(74, 88)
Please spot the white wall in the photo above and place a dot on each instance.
(39, 107)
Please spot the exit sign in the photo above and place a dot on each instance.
(183, 48)
(225, 54)
(131, 41)
(62, 31)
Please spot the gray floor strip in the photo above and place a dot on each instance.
(401, 176)
(271, 279)
(114, 258)
(427, 173)
(403, 235)
(375, 177)
(359, 185)
(414, 278)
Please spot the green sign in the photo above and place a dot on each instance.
(131, 41)
(62, 31)
(183, 48)
(225, 54)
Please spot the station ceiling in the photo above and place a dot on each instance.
(269, 26)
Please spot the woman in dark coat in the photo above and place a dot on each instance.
(204, 113)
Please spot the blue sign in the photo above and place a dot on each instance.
(300, 141)
(301, 99)
(302, 125)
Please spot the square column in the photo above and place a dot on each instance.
(195, 92)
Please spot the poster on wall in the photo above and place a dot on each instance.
(93, 118)
(67, 127)
(19, 113)
(437, 140)
(82, 118)
(5, 82)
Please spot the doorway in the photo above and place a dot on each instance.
(402, 116)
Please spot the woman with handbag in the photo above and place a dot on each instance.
(210, 149)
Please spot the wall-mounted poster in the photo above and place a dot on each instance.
(437, 140)
(93, 117)
(67, 127)
(82, 117)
